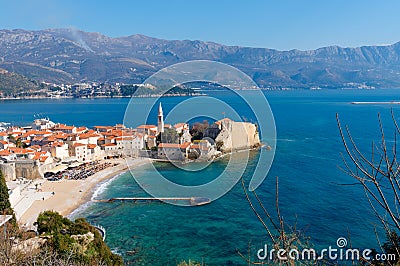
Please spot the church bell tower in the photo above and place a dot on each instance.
(160, 127)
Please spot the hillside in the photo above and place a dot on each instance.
(12, 84)
(69, 55)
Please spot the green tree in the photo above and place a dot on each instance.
(20, 144)
(169, 136)
(5, 205)
(11, 138)
(51, 222)
(62, 241)
(199, 129)
(128, 90)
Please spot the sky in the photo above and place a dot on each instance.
(277, 24)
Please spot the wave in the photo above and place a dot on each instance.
(100, 188)
(287, 140)
(78, 210)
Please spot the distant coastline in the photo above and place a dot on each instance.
(102, 97)
(391, 102)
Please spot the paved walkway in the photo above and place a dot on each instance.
(28, 196)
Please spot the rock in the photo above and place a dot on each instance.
(30, 245)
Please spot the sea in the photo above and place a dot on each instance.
(316, 197)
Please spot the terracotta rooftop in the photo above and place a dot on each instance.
(43, 159)
(88, 135)
(65, 127)
(109, 144)
(36, 147)
(174, 145)
(79, 145)
(179, 125)
(4, 152)
(80, 129)
(147, 126)
(57, 144)
(20, 150)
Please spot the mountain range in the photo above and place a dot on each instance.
(71, 55)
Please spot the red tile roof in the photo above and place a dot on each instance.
(20, 150)
(109, 144)
(80, 129)
(169, 145)
(38, 155)
(179, 125)
(79, 145)
(65, 127)
(147, 126)
(185, 145)
(43, 158)
(4, 153)
(89, 135)
(57, 144)
(175, 145)
(36, 147)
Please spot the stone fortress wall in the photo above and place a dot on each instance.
(237, 136)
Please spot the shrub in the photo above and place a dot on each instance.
(60, 230)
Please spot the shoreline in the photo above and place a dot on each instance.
(103, 97)
(392, 102)
(72, 194)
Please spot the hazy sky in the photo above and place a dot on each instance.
(279, 24)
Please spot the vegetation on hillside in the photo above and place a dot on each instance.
(12, 84)
(60, 241)
(79, 237)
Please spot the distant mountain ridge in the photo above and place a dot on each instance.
(70, 55)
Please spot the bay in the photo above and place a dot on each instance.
(307, 161)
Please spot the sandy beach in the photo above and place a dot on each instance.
(70, 194)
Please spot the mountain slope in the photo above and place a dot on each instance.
(13, 84)
(69, 55)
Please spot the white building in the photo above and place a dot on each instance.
(42, 124)
(95, 152)
(58, 150)
(79, 151)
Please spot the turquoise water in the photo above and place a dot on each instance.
(306, 161)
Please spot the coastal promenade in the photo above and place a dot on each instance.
(70, 194)
(29, 195)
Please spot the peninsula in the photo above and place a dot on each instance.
(53, 166)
